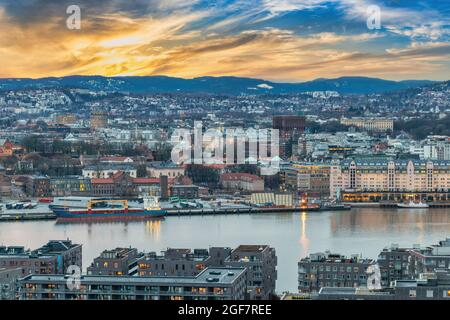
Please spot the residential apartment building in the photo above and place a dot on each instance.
(210, 284)
(435, 286)
(115, 262)
(53, 258)
(428, 259)
(331, 270)
(394, 264)
(181, 262)
(261, 262)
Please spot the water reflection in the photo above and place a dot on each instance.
(153, 227)
(293, 235)
(304, 241)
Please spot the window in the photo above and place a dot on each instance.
(412, 293)
(430, 293)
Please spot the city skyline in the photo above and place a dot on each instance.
(281, 41)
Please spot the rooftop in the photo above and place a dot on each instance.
(209, 275)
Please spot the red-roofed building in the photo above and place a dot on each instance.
(119, 184)
(8, 149)
(242, 181)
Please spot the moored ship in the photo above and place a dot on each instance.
(111, 209)
(413, 205)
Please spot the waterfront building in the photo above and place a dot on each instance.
(119, 184)
(38, 186)
(210, 284)
(115, 262)
(332, 270)
(285, 199)
(242, 181)
(376, 179)
(184, 191)
(369, 124)
(70, 185)
(310, 178)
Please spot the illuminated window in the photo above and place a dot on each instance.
(202, 290)
(218, 290)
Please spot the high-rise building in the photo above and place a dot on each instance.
(290, 128)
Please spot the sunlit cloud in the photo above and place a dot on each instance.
(193, 38)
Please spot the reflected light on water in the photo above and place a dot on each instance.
(154, 229)
(304, 241)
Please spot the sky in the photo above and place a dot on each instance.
(278, 40)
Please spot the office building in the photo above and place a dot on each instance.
(290, 128)
(310, 178)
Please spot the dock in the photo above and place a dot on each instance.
(222, 211)
(27, 216)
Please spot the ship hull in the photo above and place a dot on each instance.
(67, 214)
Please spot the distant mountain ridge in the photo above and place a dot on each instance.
(212, 85)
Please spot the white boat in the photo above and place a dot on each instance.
(413, 205)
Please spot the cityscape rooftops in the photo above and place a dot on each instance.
(250, 248)
(328, 257)
(56, 247)
(240, 176)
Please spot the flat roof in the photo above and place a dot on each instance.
(208, 276)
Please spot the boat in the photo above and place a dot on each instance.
(111, 209)
(413, 205)
(332, 206)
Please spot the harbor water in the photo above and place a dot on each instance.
(294, 235)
